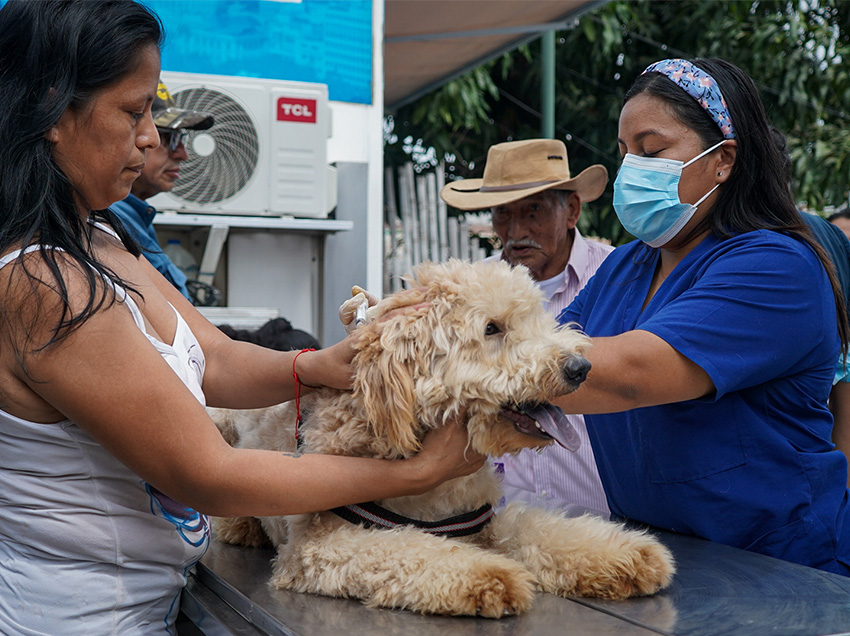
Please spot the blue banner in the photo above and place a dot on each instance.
(324, 41)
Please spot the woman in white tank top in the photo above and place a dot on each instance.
(105, 368)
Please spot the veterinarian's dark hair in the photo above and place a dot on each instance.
(57, 55)
(756, 196)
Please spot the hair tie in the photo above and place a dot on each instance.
(699, 85)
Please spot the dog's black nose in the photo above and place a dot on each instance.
(575, 369)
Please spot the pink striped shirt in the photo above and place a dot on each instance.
(556, 478)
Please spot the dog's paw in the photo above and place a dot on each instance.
(494, 592)
(583, 556)
(633, 564)
(472, 584)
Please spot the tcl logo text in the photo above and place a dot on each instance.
(291, 109)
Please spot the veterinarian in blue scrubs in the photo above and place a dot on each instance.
(716, 332)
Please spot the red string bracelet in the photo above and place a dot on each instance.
(298, 394)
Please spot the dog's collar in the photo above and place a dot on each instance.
(371, 514)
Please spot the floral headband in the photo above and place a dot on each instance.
(699, 85)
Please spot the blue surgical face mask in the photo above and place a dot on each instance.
(646, 197)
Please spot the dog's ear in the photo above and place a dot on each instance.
(383, 378)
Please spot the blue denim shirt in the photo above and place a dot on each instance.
(137, 216)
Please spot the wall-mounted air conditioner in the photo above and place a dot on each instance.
(265, 155)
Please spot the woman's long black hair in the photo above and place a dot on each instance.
(756, 196)
(57, 55)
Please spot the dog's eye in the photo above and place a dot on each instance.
(492, 329)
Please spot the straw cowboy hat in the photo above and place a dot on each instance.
(518, 169)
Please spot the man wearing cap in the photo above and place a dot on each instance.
(162, 168)
(535, 205)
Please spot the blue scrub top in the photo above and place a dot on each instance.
(751, 466)
(137, 217)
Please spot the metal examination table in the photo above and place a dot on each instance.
(717, 591)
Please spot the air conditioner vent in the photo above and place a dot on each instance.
(266, 154)
(221, 160)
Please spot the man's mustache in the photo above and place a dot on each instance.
(522, 243)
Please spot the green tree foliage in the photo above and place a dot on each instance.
(797, 52)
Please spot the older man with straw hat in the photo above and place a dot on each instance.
(535, 204)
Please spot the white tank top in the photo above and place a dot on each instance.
(86, 546)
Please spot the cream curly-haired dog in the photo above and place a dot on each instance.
(483, 341)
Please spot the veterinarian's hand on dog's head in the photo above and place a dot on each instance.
(348, 311)
(371, 307)
(331, 366)
(446, 453)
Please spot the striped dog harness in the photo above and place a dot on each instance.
(372, 515)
